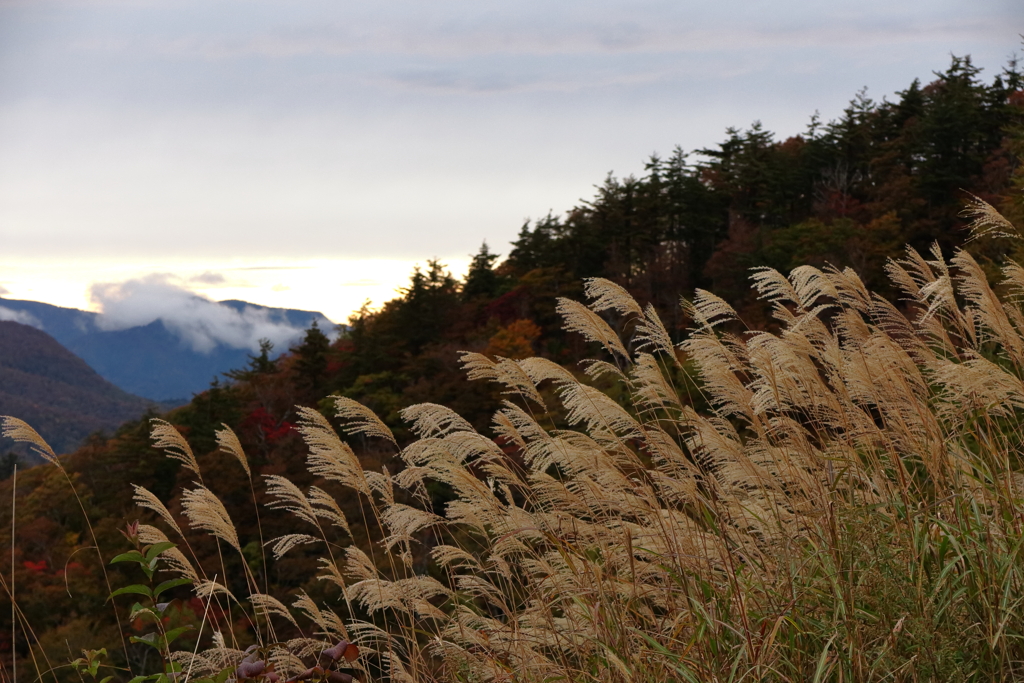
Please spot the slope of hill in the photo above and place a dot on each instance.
(148, 360)
(57, 392)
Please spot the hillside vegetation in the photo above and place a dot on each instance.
(795, 480)
(56, 391)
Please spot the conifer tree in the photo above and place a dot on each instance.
(481, 280)
(311, 360)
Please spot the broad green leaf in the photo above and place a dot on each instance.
(167, 585)
(158, 548)
(135, 589)
(173, 634)
(130, 556)
(152, 639)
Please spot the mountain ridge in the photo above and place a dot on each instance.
(151, 360)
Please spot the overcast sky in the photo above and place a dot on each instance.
(306, 153)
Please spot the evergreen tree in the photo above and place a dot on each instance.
(258, 365)
(428, 305)
(481, 280)
(311, 357)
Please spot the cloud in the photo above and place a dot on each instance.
(4, 291)
(449, 30)
(23, 317)
(208, 278)
(199, 322)
(471, 79)
(453, 48)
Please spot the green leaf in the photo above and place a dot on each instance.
(106, 679)
(152, 639)
(140, 679)
(173, 634)
(130, 556)
(158, 548)
(135, 589)
(167, 585)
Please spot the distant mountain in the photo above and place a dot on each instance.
(56, 392)
(153, 361)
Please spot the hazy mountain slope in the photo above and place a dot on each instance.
(147, 360)
(151, 361)
(55, 391)
(293, 316)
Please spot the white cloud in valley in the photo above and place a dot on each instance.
(23, 317)
(199, 322)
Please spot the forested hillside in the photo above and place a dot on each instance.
(849, 192)
(56, 391)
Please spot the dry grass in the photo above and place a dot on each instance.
(849, 510)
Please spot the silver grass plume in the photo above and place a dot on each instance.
(986, 221)
(361, 420)
(282, 544)
(174, 445)
(288, 496)
(229, 443)
(205, 511)
(19, 430)
(329, 456)
(147, 499)
(609, 296)
(268, 605)
(504, 371)
(431, 419)
(579, 318)
(208, 588)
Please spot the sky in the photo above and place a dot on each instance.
(309, 153)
